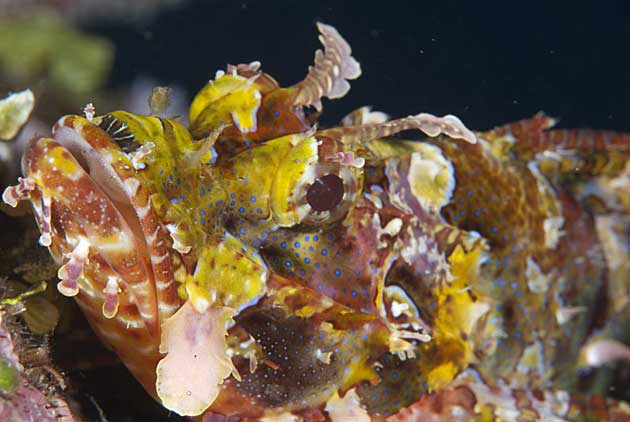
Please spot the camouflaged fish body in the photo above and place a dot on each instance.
(254, 265)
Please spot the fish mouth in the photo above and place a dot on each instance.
(116, 217)
(104, 176)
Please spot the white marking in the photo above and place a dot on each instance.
(161, 285)
(142, 285)
(145, 315)
(131, 186)
(159, 259)
(135, 324)
(151, 238)
(143, 211)
(168, 308)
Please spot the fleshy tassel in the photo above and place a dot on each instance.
(429, 124)
(70, 272)
(603, 351)
(196, 361)
(329, 76)
(111, 303)
(45, 239)
(14, 194)
(347, 408)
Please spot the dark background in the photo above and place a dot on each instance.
(488, 62)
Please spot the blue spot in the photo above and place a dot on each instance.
(276, 113)
(498, 282)
(317, 265)
(283, 245)
(324, 252)
(477, 213)
(330, 236)
(232, 203)
(202, 191)
(296, 244)
(373, 398)
(203, 221)
(170, 177)
(243, 230)
(202, 212)
(302, 272)
(337, 273)
(307, 260)
(395, 375)
(227, 183)
(354, 293)
(315, 238)
(259, 211)
(469, 192)
(232, 196)
(241, 210)
(287, 264)
(514, 284)
(494, 229)
(307, 238)
(252, 198)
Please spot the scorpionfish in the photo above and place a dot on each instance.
(249, 265)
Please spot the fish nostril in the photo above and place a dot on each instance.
(325, 193)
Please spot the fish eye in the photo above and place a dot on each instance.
(317, 183)
(325, 193)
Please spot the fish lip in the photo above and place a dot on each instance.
(102, 174)
(105, 177)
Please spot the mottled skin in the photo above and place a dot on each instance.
(335, 274)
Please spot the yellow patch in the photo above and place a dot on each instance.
(226, 276)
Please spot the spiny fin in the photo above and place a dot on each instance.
(330, 72)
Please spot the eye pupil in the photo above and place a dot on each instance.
(325, 193)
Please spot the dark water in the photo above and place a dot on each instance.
(486, 61)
